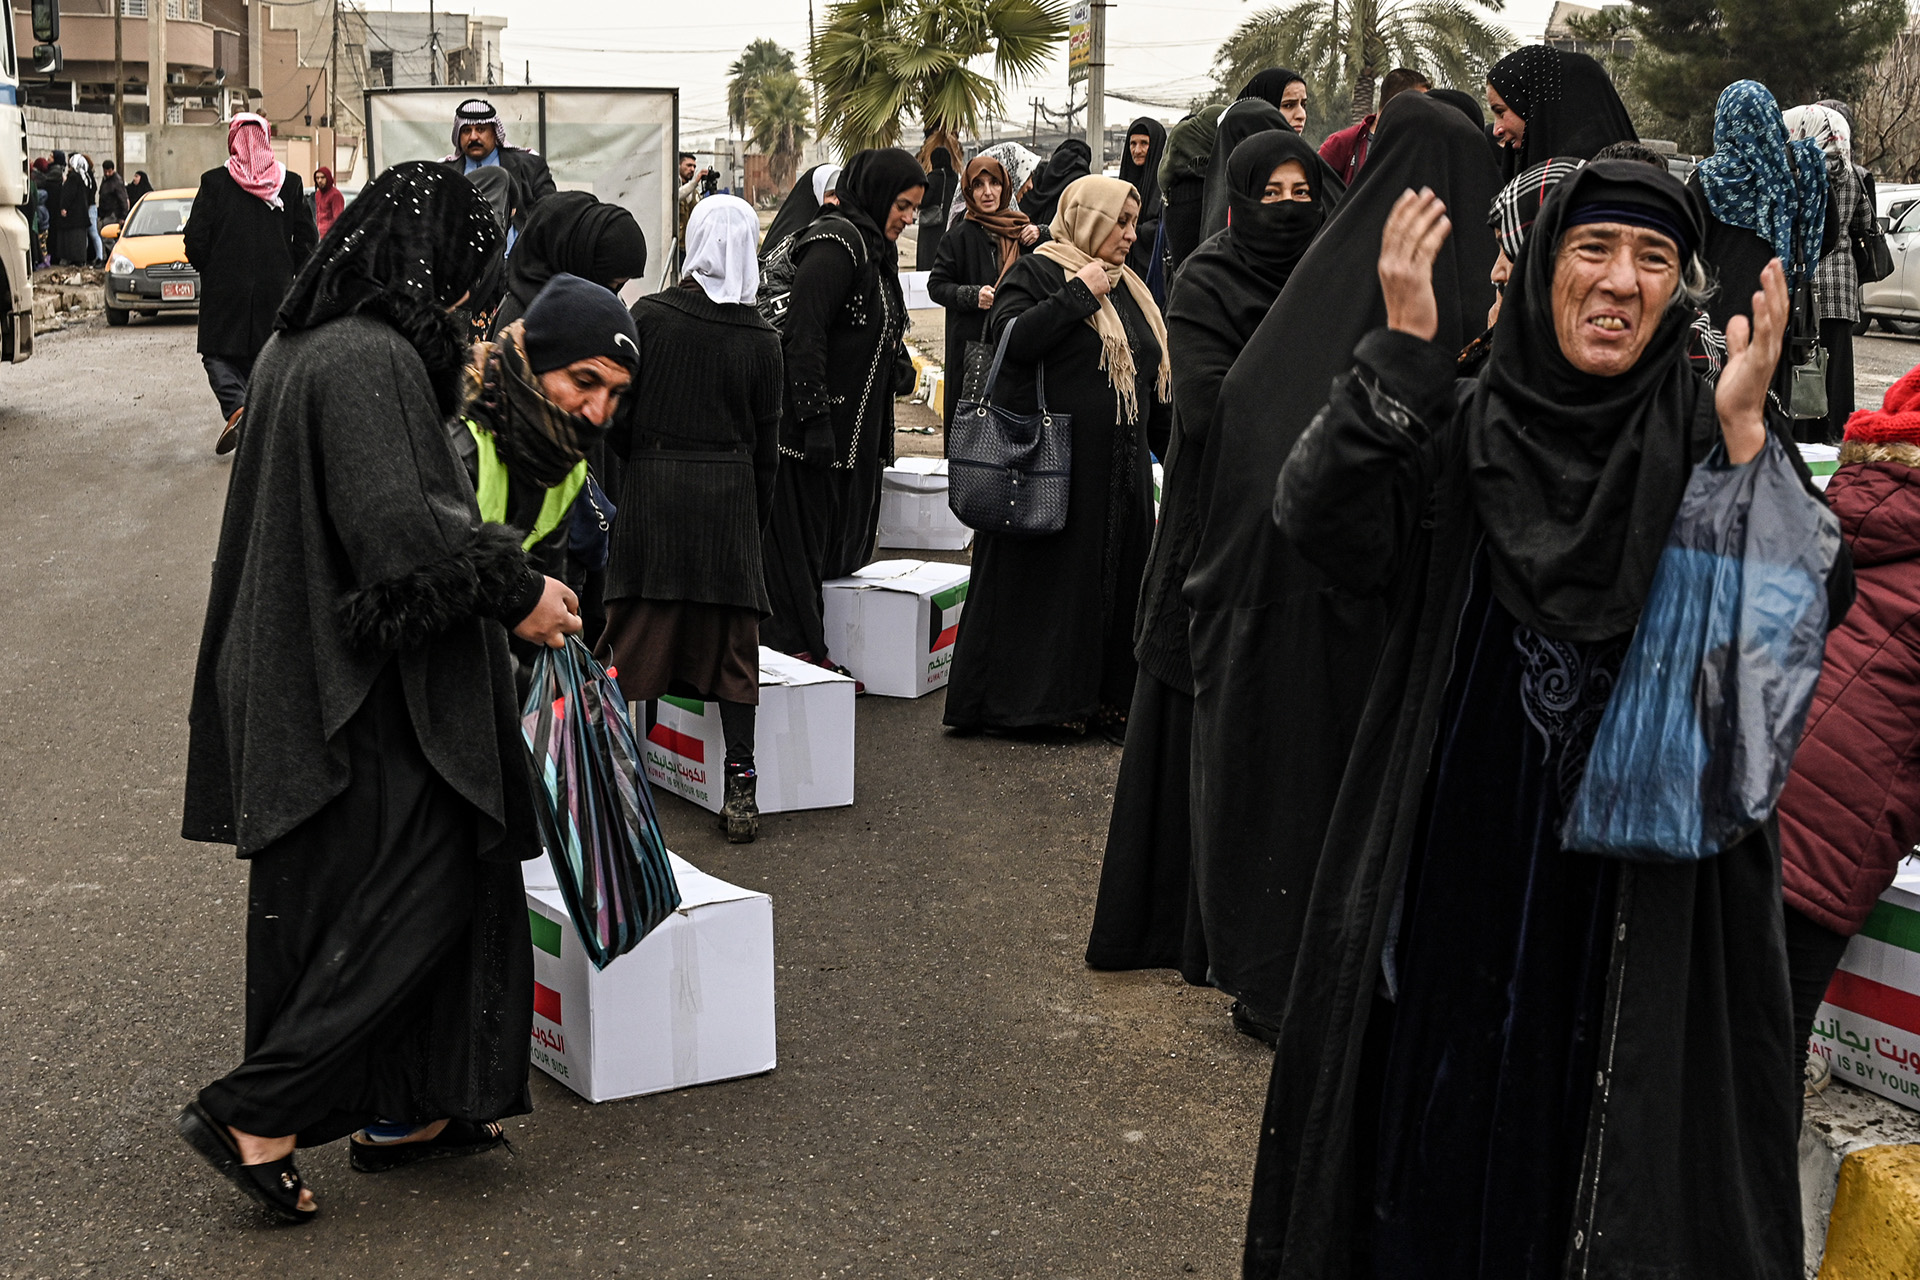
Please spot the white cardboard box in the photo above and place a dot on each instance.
(1869, 1027)
(913, 286)
(913, 508)
(894, 622)
(802, 741)
(693, 1003)
(1821, 459)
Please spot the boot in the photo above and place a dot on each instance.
(740, 815)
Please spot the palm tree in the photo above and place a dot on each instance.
(1343, 47)
(756, 62)
(876, 61)
(777, 111)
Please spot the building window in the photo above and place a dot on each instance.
(133, 8)
(381, 60)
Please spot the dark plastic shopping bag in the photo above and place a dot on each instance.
(595, 809)
(1702, 726)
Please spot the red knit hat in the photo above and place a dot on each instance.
(1896, 421)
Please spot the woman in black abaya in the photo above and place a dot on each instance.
(1238, 122)
(1183, 182)
(1146, 916)
(1502, 1057)
(1550, 104)
(1281, 662)
(972, 258)
(1048, 638)
(1145, 177)
(1071, 161)
(575, 233)
(841, 345)
(354, 730)
(810, 194)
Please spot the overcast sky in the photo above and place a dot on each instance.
(1155, 47)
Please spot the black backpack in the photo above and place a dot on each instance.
(778, 264)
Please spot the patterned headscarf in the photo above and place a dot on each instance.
(1518, 203)
(1750, 181)
(250, 158)
(1825, 127)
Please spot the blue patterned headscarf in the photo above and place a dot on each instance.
(1749, 183)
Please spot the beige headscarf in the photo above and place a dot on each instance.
(1088, 209)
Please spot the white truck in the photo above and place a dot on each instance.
(16, 188)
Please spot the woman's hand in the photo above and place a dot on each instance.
(1415, 230)
(556, 617)
(986, 297)
(1753, 352)
(1094, 276)
(1029, 234)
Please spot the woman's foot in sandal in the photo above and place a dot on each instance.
(379, 1148)
(262, 1168)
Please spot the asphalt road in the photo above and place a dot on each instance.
(957, 1095)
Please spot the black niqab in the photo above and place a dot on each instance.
(872, 182)
(1568, 101)
(1576, 478)
(575, 232)
(1071, 161)
(1267, 240)
(1145, 178)
(408, 249)
(1271, 84)
(1238, 122)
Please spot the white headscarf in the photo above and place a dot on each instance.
(825, 178)
(723, 248)
(1825, 127)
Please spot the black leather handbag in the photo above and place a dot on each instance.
(1009, 473)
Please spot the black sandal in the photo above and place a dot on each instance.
(274, 1186)
(459, 1138)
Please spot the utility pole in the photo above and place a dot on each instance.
(333, 75)
(433, 47)
(1097, 85)
(1034, 137)
(529, 64)
(119, 92)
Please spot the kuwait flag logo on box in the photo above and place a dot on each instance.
(671, 739)
(1869, 1028)
(944, 628)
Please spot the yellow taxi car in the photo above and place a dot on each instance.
(148, 270)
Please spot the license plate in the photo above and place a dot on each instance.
(177, 291)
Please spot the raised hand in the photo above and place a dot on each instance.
(1753, 353)
(1409, 243)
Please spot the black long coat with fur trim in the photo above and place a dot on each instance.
(352, 540)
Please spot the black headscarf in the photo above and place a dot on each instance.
(872, 182)
(1240, 121)
(1268, 240)
(416, 240)
(1576, 478)
(1330, 302)
(1469, 106)
(1145, 178)
(796, 211)
(1271, 84)
(574, 232)
(1071, 161)
(1568, 101)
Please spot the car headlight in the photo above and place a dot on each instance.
(120, 265)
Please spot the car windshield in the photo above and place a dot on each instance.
(159, 217)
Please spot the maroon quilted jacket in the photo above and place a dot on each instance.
(1851, 807)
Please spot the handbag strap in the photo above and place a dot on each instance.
(1000, 354)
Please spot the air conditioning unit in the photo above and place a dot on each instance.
(176, 77)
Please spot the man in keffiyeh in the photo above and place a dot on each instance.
(480, 140)
(250, 234)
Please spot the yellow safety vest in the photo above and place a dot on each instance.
(493, 489)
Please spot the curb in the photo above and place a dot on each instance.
(1874, 1233)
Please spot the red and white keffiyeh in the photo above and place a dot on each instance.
(250, 158)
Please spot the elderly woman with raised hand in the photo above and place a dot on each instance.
(354, 730)
(1049, 634)
(1541, 1059)
(700, 438)
(973, 258)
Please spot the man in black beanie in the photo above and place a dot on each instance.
(480, 140)
(537, 402)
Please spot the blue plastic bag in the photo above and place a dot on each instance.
(1712, 697)
(594, 807)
